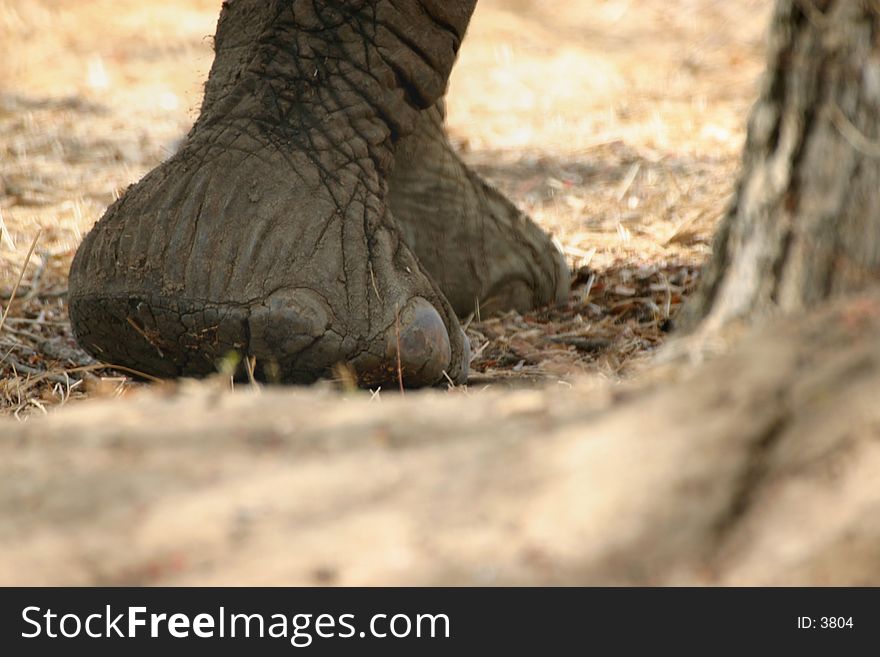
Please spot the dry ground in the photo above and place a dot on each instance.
(758, 468)
(617, 124)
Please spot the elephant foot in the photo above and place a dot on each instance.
(267, 235)
(482, 251)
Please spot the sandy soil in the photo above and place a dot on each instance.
(759, 468)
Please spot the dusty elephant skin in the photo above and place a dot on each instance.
(268, 233)
(483, 252)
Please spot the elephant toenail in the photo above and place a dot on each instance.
(422, 342)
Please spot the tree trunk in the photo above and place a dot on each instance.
(805, 221)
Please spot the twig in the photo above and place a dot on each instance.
(13, 346)
(43, 374)
(681, 227)
(36, 403)
(37, 278)
(5, 237)
(452, 385)
(477, 353)
(667, 306)
(22, 333)
(144, 335)
(250, 364)
(36, 372)
(397, 335)
(121, 368)
(628, 180)
(373, 279)
(45, 294)
(585, 256)
(41, 322)
(20, 276)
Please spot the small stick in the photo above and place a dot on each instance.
(144, 335)
(629, 180)
(42, 322)
(250, 365)
(35, 372)
(452, 385)
(4, 234)
(466, 324)
(47, 294)
(20, 277)
(397, 335)
(36, 279)
(39, 375)
(373, 279)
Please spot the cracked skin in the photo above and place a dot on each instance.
(316, 213)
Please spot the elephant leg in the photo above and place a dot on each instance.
(268, 233)
(481, 250)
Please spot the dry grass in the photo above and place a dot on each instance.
(617, 125)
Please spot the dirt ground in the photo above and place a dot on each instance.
(758, 468)
(616, 124)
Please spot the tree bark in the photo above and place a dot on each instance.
(805, 221)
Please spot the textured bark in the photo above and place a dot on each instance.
(758, 468)
(483, 252)
(805, 222)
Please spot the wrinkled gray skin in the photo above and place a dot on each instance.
(272, 231)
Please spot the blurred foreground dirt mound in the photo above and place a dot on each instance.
(759, 467)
